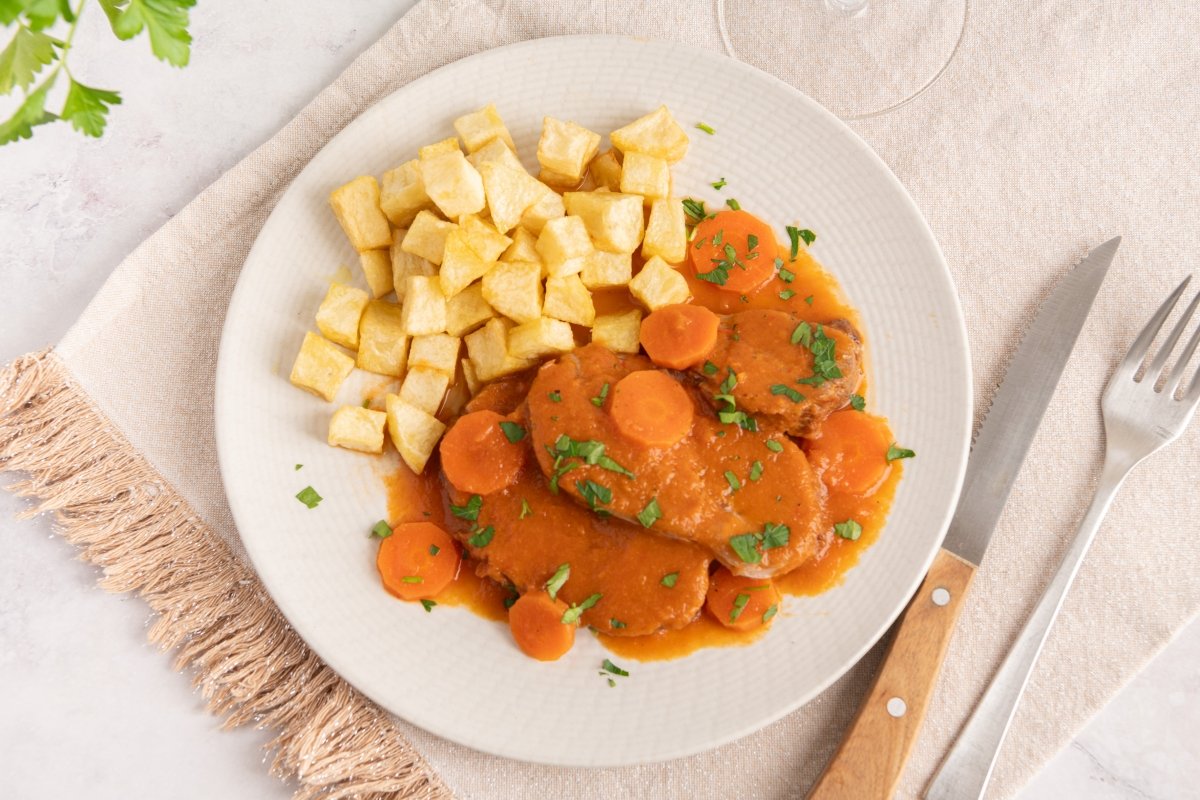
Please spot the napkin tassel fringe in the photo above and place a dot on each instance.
(247, 662)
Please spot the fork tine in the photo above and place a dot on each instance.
(1141, 345)
(1155, 370)
(1176, 376)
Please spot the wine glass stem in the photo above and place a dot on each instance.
(848, 7)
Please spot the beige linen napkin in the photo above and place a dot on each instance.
(1058, 126)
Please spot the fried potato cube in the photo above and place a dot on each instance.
(606, 171)
(402, 194)
(467, 310)
(563, 244)
(356, 206)
(488, 351)
(320, 366)
(469, 376)
(382, 343)
(659, 285)
(405, 264)
(656, 134)
(666, 231)
(482, 126)
(510, 193)
(357, 428)
(496, 152)
(549, 207)
(602, 269)
(523, 247)
(414, 432)
(461, 266)
(541, 337)
(339, 314)
(424, 388)
(567, 299)
(620, 333)
(558, 181)
(424, 309)
(426, 237)
(486, 241)
(435, 351)
(439, 149)
(514, 288)
(613, 220)
(566, 148)
(646, 175)
(453, 185)
(377, 269)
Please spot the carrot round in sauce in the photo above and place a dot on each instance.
(735, 251)
(679, 336)
(850, 452)
(651, 408)
(417, 561)
(483, 452)
(536, 624)
(741, 603)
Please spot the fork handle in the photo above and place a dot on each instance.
(871, 757)
(966, 769)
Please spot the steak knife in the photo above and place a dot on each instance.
(872, 755)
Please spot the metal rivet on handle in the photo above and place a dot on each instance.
(896, 707)
(940, 596)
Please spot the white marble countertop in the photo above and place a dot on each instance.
(87, 708)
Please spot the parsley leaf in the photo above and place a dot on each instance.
(470, 511)
(810, 299)
(718, 184)
(739, 605)
(308, 495)
(710, 368)
(808, 236)
(23, 58)
(428, 605)
(857, 402)
(770, 612)
(895, 453)
(734, 483)
(483, 538)
(609, 666)
(786, 294)
(434, 549)
(412, 579)
(824, 361)
(788, 392)
(596, 494)
(746, 547)
(557, 580)
(694, 209)
(756, 470)
(28, 115)
(850, 529)
(786, 275)
(555, 396)
(650, 514)
(775, 535)
(774, 445)
(572, 614)
(525, 509)
(616, 624)
(706, 128)
(670, 579)
(381, 529)
(512, 431)
(166, 22)
(734, 204)
(598, 400)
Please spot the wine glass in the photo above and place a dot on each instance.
(858, 58)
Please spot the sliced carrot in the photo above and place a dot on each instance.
(479, 454)
(679, 336)
(735, 251)
(651, 408)
(417, 561)
(850, 452)
(536, 624)
(741, 603)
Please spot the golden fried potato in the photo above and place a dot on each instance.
(656, 134)
(603, 269)
(414, 432)
(424, 388)
(357, 428)
(510, 194)
(488, 351)
(467, 310)
(541, 337)
(606, 171)
(645, 175)
(320, 367)
(567, 299)
(563, 245)
(523, 248)
(339, 314)
(439, 149)
(666, 231)
(496, 152)
(453, 185)
(480, 127)
(424, 309)
(659, 285)
(514, 289)
(405, 264)
(549, 207)
(402, 194)
(461, 266)
(486, 241)
(426, 237)
(377, 269)
(356, 206)
(620, 333)
(435, 351)
(382, 343)
(566, 148)
(613, 220)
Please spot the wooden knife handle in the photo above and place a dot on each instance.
(871, 757)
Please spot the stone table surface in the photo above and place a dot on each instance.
(87, 708)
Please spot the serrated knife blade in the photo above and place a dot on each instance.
(1020, 403)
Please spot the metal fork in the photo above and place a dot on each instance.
(1142, 413)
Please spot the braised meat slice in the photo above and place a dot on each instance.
(789, 375)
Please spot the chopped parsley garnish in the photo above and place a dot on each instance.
(822, 347)
(744, 299)
(795, 235)
(599, 399)
(650, 514)
(788, 392)
(786, 294)
(612, 684)
(525, 509)
(434, 549)
(470, 511)
(706, 128)
(895, 453)
(858, 402)
(555, 396)
(718, 184)
(670, 579)
(710, 368)
(483, 538)
(770, 612)
(774, 445)
(810, 299)
(786, 275)
(739, 605)
(298, 466)
(734, 483)
(616, 624)
(572, 614)
(591, 452)
(751, 243)
(802, 334)
(412, 579)
(596, 495)
(719, 274)
(428, 606)
(756, 470)
(309, 497)
(694, 209)
(557, 580)
(381, 529)
(512, 431)
(808, 236)
(609, 666)
(749, 546)
(734, 204)
(850, 529)
(729, 413)
(717, 237)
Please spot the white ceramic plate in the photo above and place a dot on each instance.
(457, 675)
